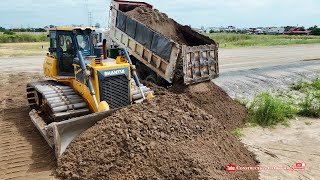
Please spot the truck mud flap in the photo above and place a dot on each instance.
(200, 63)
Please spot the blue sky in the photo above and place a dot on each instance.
(197, 13)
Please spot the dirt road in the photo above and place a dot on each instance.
(245, 72)
(24, 153)
(258, 57)
(21, 64)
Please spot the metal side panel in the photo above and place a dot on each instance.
(159, 65)
(200, 63)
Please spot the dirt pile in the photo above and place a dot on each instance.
(212, 99)
(166, 138)
(159, 22)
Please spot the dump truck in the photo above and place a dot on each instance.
(195, 61)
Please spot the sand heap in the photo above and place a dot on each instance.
(159, 22)
(166, 26)
(212, 99)
(166, 138)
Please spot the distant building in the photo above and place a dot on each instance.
(275, 30)
(297, 31)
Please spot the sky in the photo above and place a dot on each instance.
(197, 13)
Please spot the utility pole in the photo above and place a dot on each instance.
(90, 18)
(89, 13)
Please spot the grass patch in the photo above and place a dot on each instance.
(316, 84)
(310, 105)
(299, 85)
(267, 110)
(308, 123)
(232, 40)
(20, 38)
(24, 49)
(237, 133)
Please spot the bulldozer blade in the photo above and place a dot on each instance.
(40, 125)
(65, 132)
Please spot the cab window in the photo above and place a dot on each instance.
(53, 42)
(84, 44)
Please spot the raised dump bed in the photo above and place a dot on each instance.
(172, 51)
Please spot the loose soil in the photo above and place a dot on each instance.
(166, 138)
(160, 22)
(212, 99)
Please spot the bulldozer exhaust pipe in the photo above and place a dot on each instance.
(104, 48)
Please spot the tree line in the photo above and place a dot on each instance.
(12, 31)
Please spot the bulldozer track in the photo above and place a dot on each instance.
(61, 102)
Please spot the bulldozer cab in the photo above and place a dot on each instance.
(64, 45)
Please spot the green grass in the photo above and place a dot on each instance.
(268, 110)
(277, 108)
(232, 40)
(20, 38)
(316, 84)
(310, 105)
(237, 133)
(300, 85)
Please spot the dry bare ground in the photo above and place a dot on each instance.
(286, 146)
(24, 153)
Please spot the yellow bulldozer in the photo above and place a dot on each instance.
(85, 84)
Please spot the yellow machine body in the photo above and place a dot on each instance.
(50, 70)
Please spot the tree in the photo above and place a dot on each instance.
(211, 31)
(2, 29)
(8, 32)
(316, 31)
(313, 27)
(287, 28)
